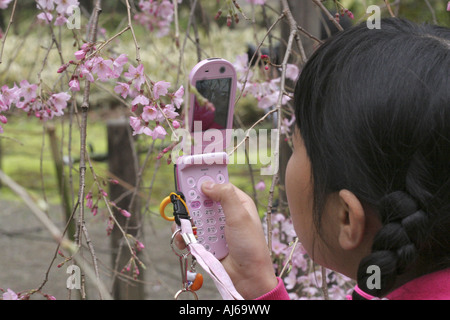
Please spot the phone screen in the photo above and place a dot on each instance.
(214, 112)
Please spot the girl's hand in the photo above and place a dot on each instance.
(248, 263)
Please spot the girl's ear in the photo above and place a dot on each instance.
(351, 219)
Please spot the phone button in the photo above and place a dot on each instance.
(196, 214)
(202, 180)
(211, 229)
(196, 204)
(208, 203)
(192, 194)
(220, 178)
(190, 181)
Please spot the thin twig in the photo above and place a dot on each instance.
(328, 14)
(389, 8)
(11, 19)
(289, 260)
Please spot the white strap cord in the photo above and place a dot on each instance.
(209, 263)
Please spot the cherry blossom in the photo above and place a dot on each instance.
(10, 295)
(150, 113)
(156, 15)
(103, 68)
(177, 98)
(158, 133)
(122, 89)
(118, 64)
(141, 99)
(260, 185)
(176, 124)
(160, 88)
(45, 17)
(74, 85)
(125, 213)
(292, 71)
(45, 4)
(136, 75)
(62, 6)
(4, 4)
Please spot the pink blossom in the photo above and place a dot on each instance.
(241, 63)
(448, 6)
(89, 203)
(74, 85)
(292, 71)
(103, 68)
(118, 64)
(45, 5)
(86, 71)
(286, 125)
(4, 4)
(10, 295)
(268, 100)
(160, 89)
(175, 124)
(169, 111)
(125, 213)
(80, 54)
(10, 95)
(59, 101)
(135, 123)
(158, 133)
(62, 6)
(140, 99)
(139, 245)
(122, 89)
(60, 20)
(45, 16)
(291, 280)
(3, 119)
(149, 113)
(177, 98)
(277, 246)
(136, 75)
(49, 297)
(165, 10)
(138, 128)
(260, 185)
(28, 91)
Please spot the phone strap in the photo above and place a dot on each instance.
(209, 263)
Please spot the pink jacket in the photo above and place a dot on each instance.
(432, 286)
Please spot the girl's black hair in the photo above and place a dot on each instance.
(373, 109)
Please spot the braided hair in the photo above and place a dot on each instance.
(373, 109)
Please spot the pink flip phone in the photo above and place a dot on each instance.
(210, 115)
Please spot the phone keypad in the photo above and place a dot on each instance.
(207, 214)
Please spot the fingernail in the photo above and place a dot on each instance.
(208, 185)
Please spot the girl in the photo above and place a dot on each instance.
(368, 183)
